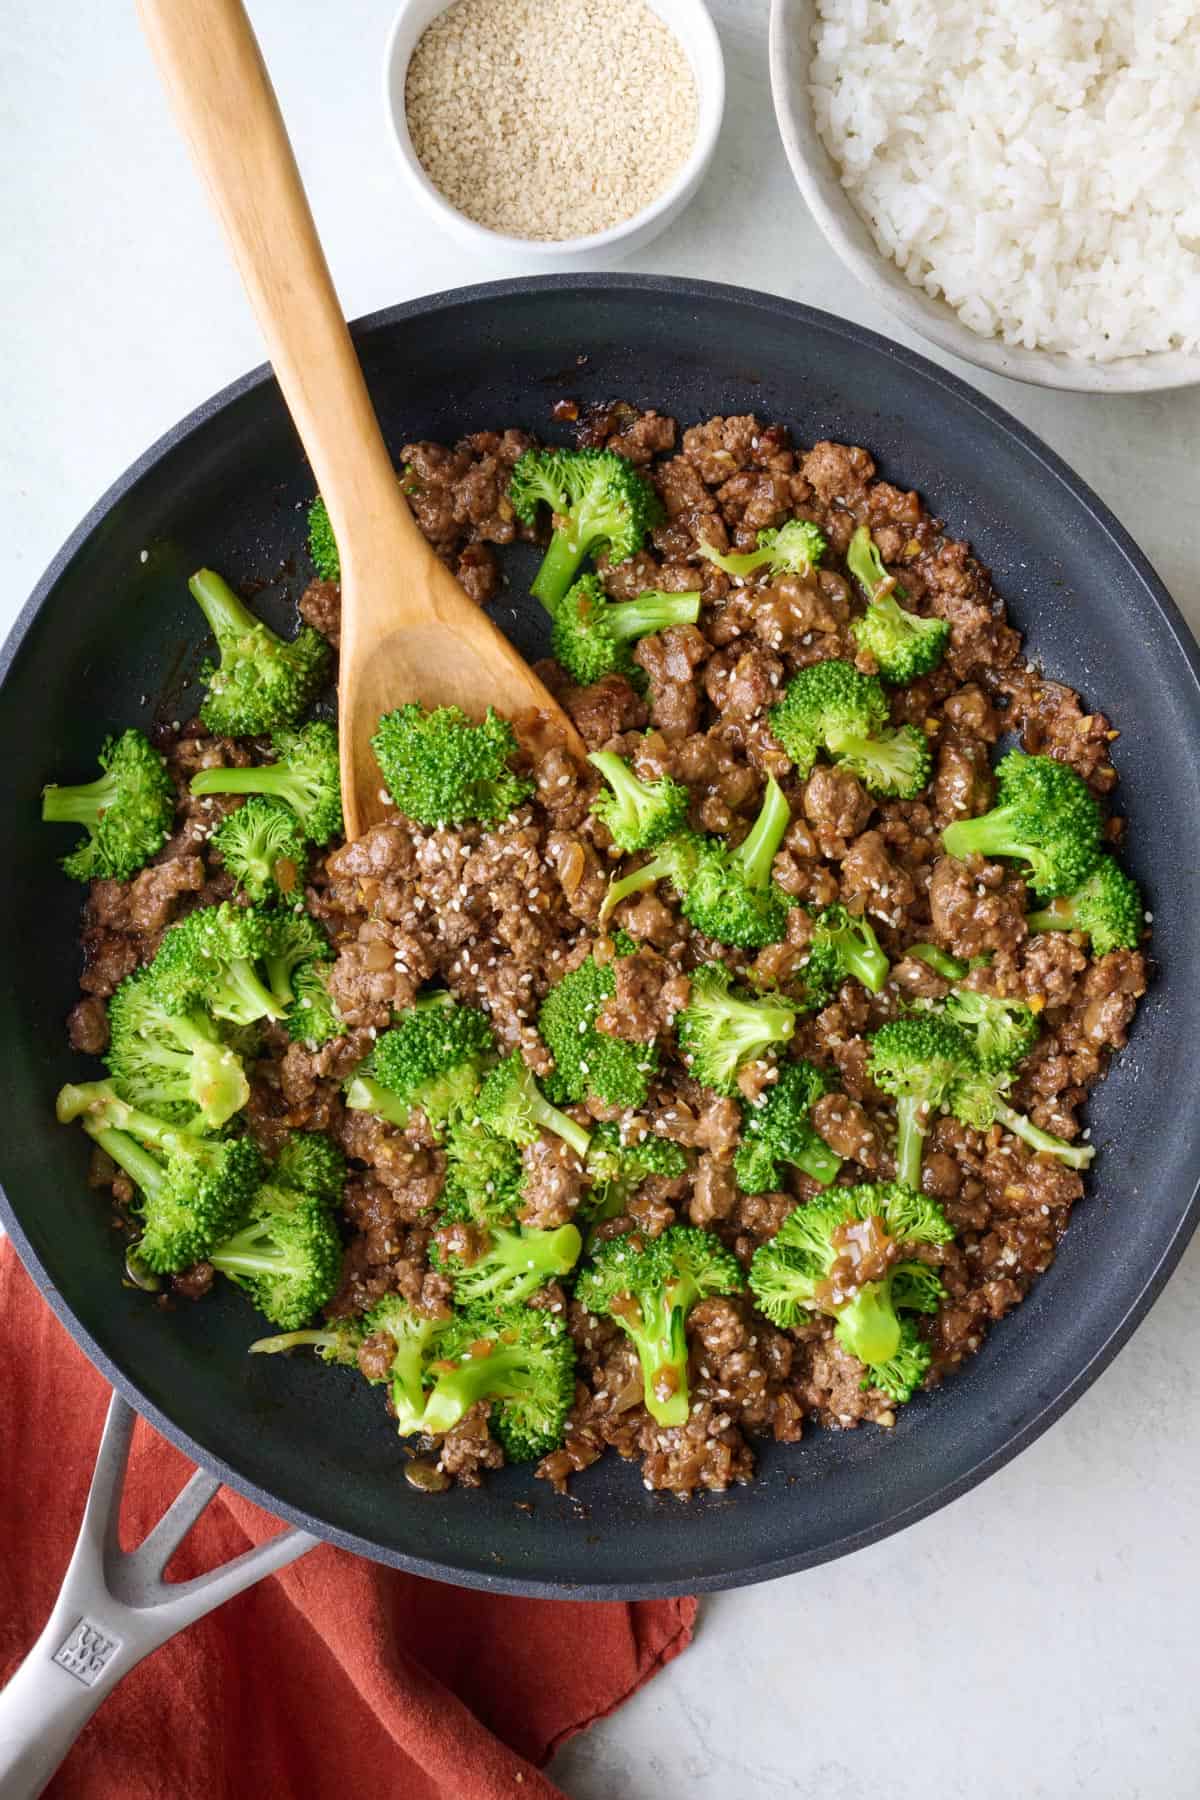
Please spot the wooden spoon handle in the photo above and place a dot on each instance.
(214, 73)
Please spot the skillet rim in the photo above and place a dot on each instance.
(1100, 518)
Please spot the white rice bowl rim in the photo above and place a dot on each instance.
(849, 236)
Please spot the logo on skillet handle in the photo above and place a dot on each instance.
(86, 1653)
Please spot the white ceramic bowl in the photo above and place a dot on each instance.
(848, 234)
(690, 21)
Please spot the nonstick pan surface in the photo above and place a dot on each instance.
(109, 639)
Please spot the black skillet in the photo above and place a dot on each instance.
(109, 638)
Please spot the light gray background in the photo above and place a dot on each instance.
(1038, 1638)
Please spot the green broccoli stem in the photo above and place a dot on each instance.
(1060, 915)
(650, 612)
(818, 1161)
(365, 1094)
(865, 962)
(551, 1119)
(738, 563)
(215, 1073)
(269, 779)
(990, 835)
(940, 961)
(866, 565)
(627, 787)
(657, 870)
(661, 1343)
(82, 805)
(911, 1126)
(239, 995)
(1075, 1156)
(99, 1108)
(129, 1155)
(236, 1256)
(227, 616)
(868, 1326)
(494, 1377)
(560, 565)
(757, 851)
(293, 1340)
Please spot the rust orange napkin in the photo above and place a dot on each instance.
(337, 1677)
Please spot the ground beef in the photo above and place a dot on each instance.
(87, 1026)
(976, 907)
(648, 992)
(553, 1185)
(837, 806)
(320, 606)
(499, 914)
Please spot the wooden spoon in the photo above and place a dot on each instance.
(409, 632)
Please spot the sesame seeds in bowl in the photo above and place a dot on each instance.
(554, 131)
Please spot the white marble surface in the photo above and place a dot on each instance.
(1036, 1639)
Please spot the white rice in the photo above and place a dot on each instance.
(1034, 162)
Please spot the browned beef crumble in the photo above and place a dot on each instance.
(499, 915)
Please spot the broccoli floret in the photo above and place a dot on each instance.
(433, 1057)
(311, 1163)
(173, 1064)
(1001, 1031)
(977, 1098)
(727, 894)
(719, 1031)
(127, 811)
(777, 1129)
(596, 499)
(1044, 816)
(303, 776)
(637, 814)
(312, 1017)
(484, 1176)
(287, 1256)
(588, 1061)
(264, 848)
(592, 635)
(336, 1342)
(619, 1161)
(513, 1106)
(322, 545)
(1108, 908)
(522, 1360)
(261, 681)
(194, 1190)
(792, 549)
(513, 1264)
(918, 1060)
(648, 1287)
(903, 644)
(440, 769)
(812, 1266)
(939, 960)
(831, 706)
(294, 940)
(213, 958)
(416, 1340)
(843, 944)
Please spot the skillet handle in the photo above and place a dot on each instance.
(113, 1609)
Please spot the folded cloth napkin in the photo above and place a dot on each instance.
(334, 1677)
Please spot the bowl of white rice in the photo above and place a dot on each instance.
(1018, 180)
